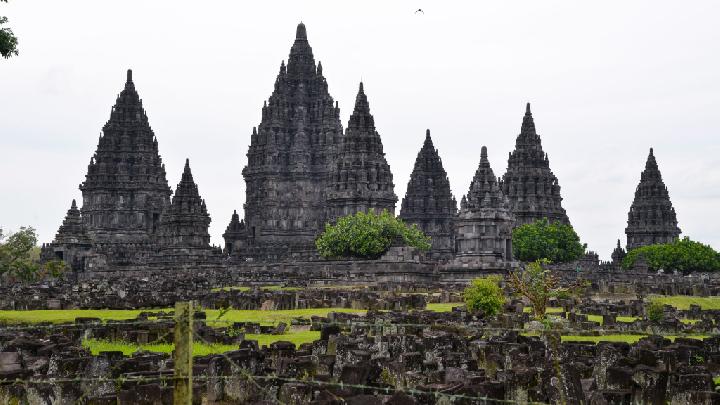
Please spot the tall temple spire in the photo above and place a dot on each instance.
(290, 157)
(125, 189)
(429, 202)
(360, 178)
(652, 218)
(529, 184)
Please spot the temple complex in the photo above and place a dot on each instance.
(485, 221)
(305, 171)
(652, 217)
(428, 201)
(529, 184)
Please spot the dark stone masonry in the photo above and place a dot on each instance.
(304, 171)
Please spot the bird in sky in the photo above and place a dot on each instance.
(419, 11)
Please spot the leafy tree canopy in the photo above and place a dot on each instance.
(8, 40)
(368, 235)
(542, 240)
(19, 259)
(683, 255)
(484, 294)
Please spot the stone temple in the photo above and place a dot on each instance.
(652, 217)
(529, 184)
(305, 171)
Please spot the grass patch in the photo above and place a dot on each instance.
(262, 288)
(619, 338)
(443, 306)
(69, 315)
(199, 349)
(683, 302)
(271, 317)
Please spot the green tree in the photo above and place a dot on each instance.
(556, 242)
(537, 285)
(8, 40)
(368, 235)
(484, 294)
(17, 260)
(683, 255)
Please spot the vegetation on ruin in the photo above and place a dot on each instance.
(368, 236)
(542, 240)
(484, 294)
(684, 255)
(8, 40)
(537, 285)
(654, 311)
(19, 257)
(627, 338)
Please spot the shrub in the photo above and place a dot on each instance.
(537, 285)
(540, 240)
(368, 235)
(484, 294)
(683, 255)
(655, 311)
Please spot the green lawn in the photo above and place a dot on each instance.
(234, 315)
(684, 301)
(69, 315)
(618, 338)
(263, 288)
(199, 349)
(443, 306)
(270, 317)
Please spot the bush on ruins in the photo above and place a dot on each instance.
(484, 294)
(683, 255)
(19, 258)
(368, 236)
(541, 240)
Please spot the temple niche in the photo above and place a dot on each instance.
(360, 178)
(652, 218)
(529, 184)
(485, 221)
(429, 202)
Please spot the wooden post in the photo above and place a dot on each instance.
(183, 353)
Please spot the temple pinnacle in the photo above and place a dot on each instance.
(129, 75)
(301, 33)
(527, 109)
(483, 152)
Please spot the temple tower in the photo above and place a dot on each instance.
(652, 217)
(71, 242)
(428, 201)
(235, 232)
(529, 184)
(184, 225)
(485, 221)
(125, 190)
(360, 179)
(289, 158)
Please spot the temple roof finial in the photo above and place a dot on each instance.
(74, 204)
(527, 108)
(427, 134)
(129, 75)
(301, 33)
(483, 152)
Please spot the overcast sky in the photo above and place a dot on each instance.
(607, 81)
